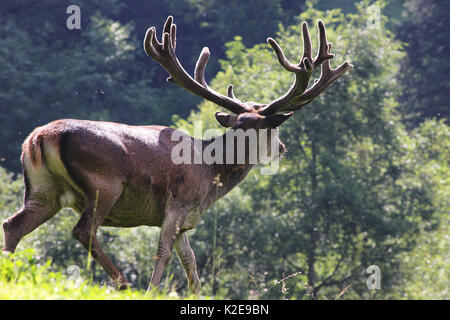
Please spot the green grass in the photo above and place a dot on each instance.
(22, 279)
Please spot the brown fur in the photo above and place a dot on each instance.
(33, 144)
(32, 148)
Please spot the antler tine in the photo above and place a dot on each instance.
(173, 36)
(164, 54)
(167, 25)
(151, 44)
(322, 52)
(156, 49)
(281, 57)
(298, 96)
(199, 72)
(305, 62)
(230, 92)
(307, 46)
(327, 77)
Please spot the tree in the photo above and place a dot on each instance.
(52, 72)
(340, 202)
(426, 87)
(425, 274)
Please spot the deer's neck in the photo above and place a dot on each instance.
(232, 163)
(225, 178)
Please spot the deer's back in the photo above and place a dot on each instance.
(139, 157)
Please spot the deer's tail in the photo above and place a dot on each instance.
(32, 148)
(42, 142)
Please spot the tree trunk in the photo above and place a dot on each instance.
(311, 256)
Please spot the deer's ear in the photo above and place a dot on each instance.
(225, 119)
(274, 120)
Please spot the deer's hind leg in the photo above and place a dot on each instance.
(41, 202)
(99, 203)
(28, 218)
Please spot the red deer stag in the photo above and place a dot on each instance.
(123, 176)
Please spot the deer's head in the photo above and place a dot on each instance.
(250, 115)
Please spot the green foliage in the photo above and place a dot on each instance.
(426, 267)
(92, 74)
(348, 194)
(22, 278)
(426, 87)
(11, 191)
(355, 188)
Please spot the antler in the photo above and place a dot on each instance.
(298, 95)
(164, 54)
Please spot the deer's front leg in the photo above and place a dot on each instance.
(187, 259)
(169, 231)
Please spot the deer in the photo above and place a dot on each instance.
(119, 175)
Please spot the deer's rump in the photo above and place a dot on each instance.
(85, 157)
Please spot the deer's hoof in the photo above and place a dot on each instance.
(123, 286)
